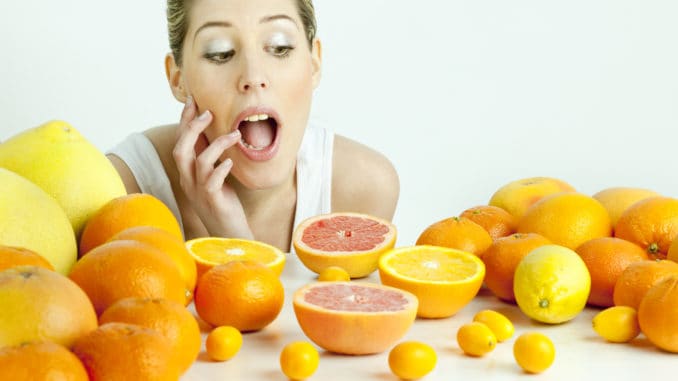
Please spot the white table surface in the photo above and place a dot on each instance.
(580, 353)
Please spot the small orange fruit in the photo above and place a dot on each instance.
(502, 258)
(40, 361)
(299, 360)
(617, 199)
(244, 294)
(333, 273)
(618, 324)
(411, 360)
(517, 196)
(476, 339)
(17, 256)
(651, 223)
(497, 221)
(168, 317)
(169, 244)
(223, 343)
(42, 305)
(119, 351)
(637, 278)
(120, 213)
(122, 269)
(500, 325)
(567, 219)
(658, 313)
(457, 233)
(534, 352)
(606, 258)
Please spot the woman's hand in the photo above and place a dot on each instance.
(202, 177)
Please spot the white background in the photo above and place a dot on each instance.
(462, 96)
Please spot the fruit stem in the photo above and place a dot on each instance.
(543, 303)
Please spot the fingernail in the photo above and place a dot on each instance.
(235, 133)
(204, 115)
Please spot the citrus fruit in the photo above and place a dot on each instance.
(651, 223)
(606, 258)
(168, 317)
(41, 305)
(617, 199)
(244, 294)
(618, 324)
(125, 268)
(17, 256)
(551, 284)
(534, 352)
(351, 241)
(333, 273)
(299, 360)
(517, 196)
(499, 324)
(119, 351)
(672, 254)
(411, 360)
(444, 280)
(567, 219)
(637, 278)
(223, 343)
(456, 233)
(120, 213)
(658, 312)
(32, 219)
(476, 339)
(495, 220)
(58, 159)
(40, 361)
(169, 244)
(211, 251)
(502, 258)
(354, 318)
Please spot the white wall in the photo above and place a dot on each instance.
(463, 96)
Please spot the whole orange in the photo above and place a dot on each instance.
(606, 258)
(244, 294)
(672, 254)
(567, 219)
(502, 258)
(658, 313)
(17, 256)
(457, 233)
(120, 213)
(517, 196)
(122, 269)
(37, 304)
(119, 351)
(169, 244)
(637, 278)
(168, 317)
(617, 199)
(651, 223)
(497, 221)
(40, 361)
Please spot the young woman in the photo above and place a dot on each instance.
(243, 161)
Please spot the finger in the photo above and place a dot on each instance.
(217, 178)
(184, 149)
(205, 162)
(189, 112)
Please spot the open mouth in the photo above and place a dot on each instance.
(259, 136)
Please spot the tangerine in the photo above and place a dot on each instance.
(458, 233)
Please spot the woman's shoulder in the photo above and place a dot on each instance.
(363, 179)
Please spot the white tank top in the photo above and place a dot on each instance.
(314, 172)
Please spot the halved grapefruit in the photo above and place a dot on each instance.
(354, 318)
(352, 241)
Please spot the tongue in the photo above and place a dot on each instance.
(257, 134)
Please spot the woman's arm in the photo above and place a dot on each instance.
(125, 174)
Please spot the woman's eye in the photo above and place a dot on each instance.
(219, 57)
(280, 50)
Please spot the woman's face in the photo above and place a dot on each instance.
(249, 63)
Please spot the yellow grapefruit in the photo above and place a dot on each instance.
(617, 199)
(517, 196)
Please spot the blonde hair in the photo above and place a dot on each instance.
(178, 15)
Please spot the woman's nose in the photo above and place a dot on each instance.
(252, 77)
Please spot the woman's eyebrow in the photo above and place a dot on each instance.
(278, 17)
(226, 24)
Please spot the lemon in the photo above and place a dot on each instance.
(411, 360)
(617, 324)
(551, 284)
(31, 219)
(58, 159)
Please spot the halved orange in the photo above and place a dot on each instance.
(443, 279)
(211, 251)
(352, 241)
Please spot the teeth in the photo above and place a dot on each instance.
(248, 145)
(256, 117)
